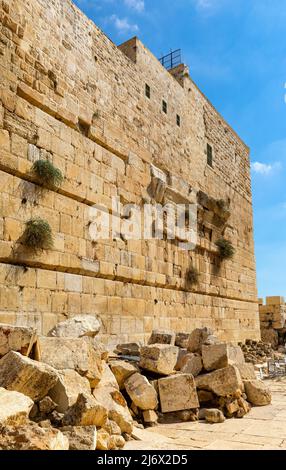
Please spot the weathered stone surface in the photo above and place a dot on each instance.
(212, 415)
(32, 437)
(47, 405)
(178, 392)
(218, 356)
(117, 409)
(21, 374)
(16, 338)
(197, 338)
(112, 427)
(103, 440)
(86, 412)
(141, 392)
(192, 364)
(116, 442)
(162, 337)
(179, 416)
(247, 371)
(150, 416)
(72, 353)
(80, 437)
(182, 340)
(129, 349)
(222, 382)
(122, 370)
(257, 392)
(181, 359)
(76, 327)
(108, 378)
(160, 358)
(14, 407)
(205, 396)
(67, 388)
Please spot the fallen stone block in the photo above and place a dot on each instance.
(205, 396)
(116, 406)
(32, 437)
(141, 392)
(112, 427)
(179, 416)
(80, 437)
(76, 327)
(24, 375)
(108, 379)
(221, 382)
(17, 338)
(257, 392)
(213, 415)
(159, 358)
(122, 371)
(197, 338)
(128, 349)
(247, 371)
(46, 406)
(181, 359)
(178, 392)
(14, 407)
(162, 337)
(150, 417)
(116, 442)
(103, 440)
(67, 388)
(193, 364)
(218, 356)
(72, 353)
(182, 340)
(86, 412)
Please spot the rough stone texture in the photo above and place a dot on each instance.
(108, 379)
(122, 370)
(103, 440)
(182, 340)
(72, 353)
(81, 103)
(197, 338)
(192, 364)
(76, 327)
(269, 335)
(16, 338)
(246, 371)
(117, 409)
(178, 392)
(80, 437)
(116, 442)
(47, 405)
(112, 427)
(129, 349)
(257, 392)
(162, 337)
(150, 416)
(14, 407)
(67, 388)
(272, 318)
(160, 358)
(86, 412)
(24, 375)
(32, 437)
(213, 415)
(141, 392)
(183, 355)
(222, 382)
(221, 355)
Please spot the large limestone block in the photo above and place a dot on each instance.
(141, 392)
(182, 340)
(32, 437)
(162, 337)
(193, 364)
(182, 358)
(122, 370)
(178, 392)
(159, 358)
(222, 382)
(218, 356)
(69, 385)
(213, 415)
(197, 338)
(128, 349)
(108, 378)
(86, 411)
(21, 374)
(257, 392)
(72, 353)
(16, 338)
(116, 406)
(14, 407)
(76, 327)
(247, 371)
(80, 437)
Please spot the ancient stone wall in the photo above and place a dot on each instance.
(67, 93)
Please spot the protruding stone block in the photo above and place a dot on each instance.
(69, 385)
(162, 337)
(178, 392)
(141, 392)
(76, 327)
(221, 382)
(122, 371)
(193, 364)
(218, 356)
(159, 358)
(198, 338)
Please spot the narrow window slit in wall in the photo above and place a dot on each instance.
(147, 91)
(209, 155)
(164, 107)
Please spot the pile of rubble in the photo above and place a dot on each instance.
(65, 391)
(256, 352)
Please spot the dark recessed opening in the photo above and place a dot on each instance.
(164, 107)
(24, 200)
(178, 120)
(209, 155)
(147, 91)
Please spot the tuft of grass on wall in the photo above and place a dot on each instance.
(47, 174)
(192, 276)
(38, 234)
(226, 248)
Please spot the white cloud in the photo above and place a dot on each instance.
(137, 5)
(264, 169)
(123, 25)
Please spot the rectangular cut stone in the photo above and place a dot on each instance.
(16, 338)
(275, 300)
(218, 356)
(160, 358)
(222, 382)
(14, 407)
(178, 392)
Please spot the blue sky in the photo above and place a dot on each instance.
(236, 51)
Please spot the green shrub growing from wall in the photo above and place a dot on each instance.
(38, 234)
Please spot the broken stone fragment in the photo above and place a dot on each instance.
(112, 427)
(129, 349)
(197, 338)
(67, 388)
(150, 416)
(182, 353)
(72, 353)
(247, 371)
(213, 415)
(159, 358)
(76, 327)
(17, 338)
(257, 392)
(141, 392)
(182, 340)
(205, 396)
(86, 411)
(103, 440)
(122, 370)
(113, 401)
(221, 382)
(116, 442)
(192, 364)
(47, 405)
(179, 416)
(14, 407)
(80, 437)
(162, 337)
(108, 378)
(218, 356)
(178, 392)
(24, 375)
(32, 437)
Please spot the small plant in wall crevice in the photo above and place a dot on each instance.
(192, 276)
(226, 248)
(38, 234)
(47, 174)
